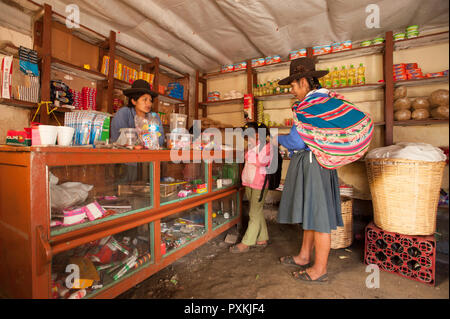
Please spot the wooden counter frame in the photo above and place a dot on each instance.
(26, 273)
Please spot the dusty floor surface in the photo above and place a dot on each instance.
(211, 271)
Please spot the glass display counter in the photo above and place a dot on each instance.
(225, 210)
(180, 181)
(92, 223)
(179, 229)
(83, 272)
(85, 195)
(224, 175)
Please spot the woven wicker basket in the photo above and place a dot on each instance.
(342, 237)
(405, 194)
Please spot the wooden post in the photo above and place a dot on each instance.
(112, 57)
(205, 97)
(156, 84)
(187, 97)
(309, 52)
(388, 62)
(197, 85)
(46, 62)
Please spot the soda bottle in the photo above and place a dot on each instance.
(343, 77)
(351, 76)
(361, 80)
(335, 78)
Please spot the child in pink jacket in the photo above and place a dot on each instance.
(257, 158)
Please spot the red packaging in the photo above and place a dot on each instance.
(249, 105)
(411, 65)
(104, 256)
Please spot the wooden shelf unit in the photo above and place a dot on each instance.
(386, 49)
(106, 46)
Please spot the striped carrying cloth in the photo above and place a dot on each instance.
(334, 129)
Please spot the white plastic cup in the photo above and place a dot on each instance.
(48, 134)
(65, 135)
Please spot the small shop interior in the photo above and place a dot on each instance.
(124, 212)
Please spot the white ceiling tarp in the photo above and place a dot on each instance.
(201, 35)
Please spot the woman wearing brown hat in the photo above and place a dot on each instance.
(140, 101)
(328, 132)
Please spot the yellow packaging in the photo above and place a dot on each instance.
(343, 77)
(105, 65)
(335, 78)
(351, 76)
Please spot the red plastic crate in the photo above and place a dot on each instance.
(413, 257)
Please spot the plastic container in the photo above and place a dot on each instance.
(378, 40)
(343, 77)
(128, 136)
(351, 76)
(335, 78)
(177, 122)
(399, 36)
(65, 135)
(346, 45)
(361, 79)
(412, 28)
(179, 141)
(48, 134)
(413, 34)
(366, 43)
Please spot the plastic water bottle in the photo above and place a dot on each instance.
(155, 132)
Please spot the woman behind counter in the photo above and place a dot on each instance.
(140, 101)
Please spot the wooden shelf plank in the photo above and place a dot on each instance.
(231, 101)
(10, 49)
(420, 122)
(18, 103)
(426, 81)
(221, 74)
(351, 53)
(429, 39)
(346, 54)
(354, 88)
(121, 85)
(171, 100)
(78, 71)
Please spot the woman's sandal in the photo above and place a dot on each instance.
(303, 276)
(289, 260)
(235, 250)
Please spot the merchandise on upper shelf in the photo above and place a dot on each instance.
(125, 73)
(411, 32)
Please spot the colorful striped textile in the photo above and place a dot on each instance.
(334, 129)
